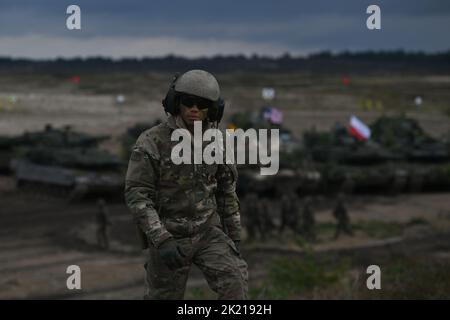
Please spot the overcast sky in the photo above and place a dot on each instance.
(192, 28)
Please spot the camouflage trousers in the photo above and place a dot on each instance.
(214, 253)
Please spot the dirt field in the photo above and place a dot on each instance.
(40, 238)
(306, 101)
(408, 236)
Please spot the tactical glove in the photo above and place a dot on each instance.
(171, 254)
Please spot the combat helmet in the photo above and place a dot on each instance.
(198, 83)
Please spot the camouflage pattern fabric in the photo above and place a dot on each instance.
(183, 201)
(214, 253)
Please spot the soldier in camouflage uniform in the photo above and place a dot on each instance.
(266, 222)
(289, 212)
(341, 215)
(308, 222)
(252, 215)
(103, 224)
(186, 213)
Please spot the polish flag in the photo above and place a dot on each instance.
(358, 129)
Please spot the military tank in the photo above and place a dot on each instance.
(294, 173)
(50, 137)
(58, 137)
(73, 173)
(404, 137)
(399, 157)
(62, 162)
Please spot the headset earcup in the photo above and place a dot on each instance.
(216, 112)
(220, 109)
(169, 102)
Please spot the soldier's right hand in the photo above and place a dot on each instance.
(171, 254)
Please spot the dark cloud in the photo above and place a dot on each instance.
(291, 25)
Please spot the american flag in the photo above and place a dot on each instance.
(273, 115)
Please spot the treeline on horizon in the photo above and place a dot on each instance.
(323, 62)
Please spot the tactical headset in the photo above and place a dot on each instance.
(171, 103)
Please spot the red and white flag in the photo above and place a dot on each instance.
(359, 129)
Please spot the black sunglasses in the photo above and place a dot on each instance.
(201, 103)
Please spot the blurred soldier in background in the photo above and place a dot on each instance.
(308, 222)
(341, 215)
(267, 224)
(289, 212)
(253, 218)
(103, 224)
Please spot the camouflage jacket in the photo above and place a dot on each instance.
(178, 200)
